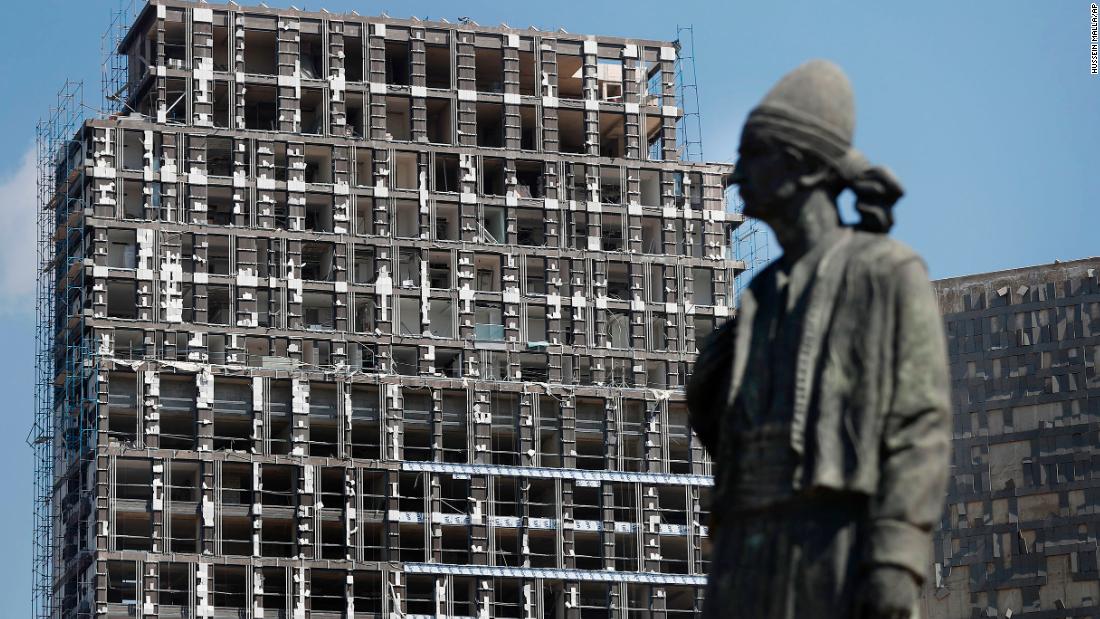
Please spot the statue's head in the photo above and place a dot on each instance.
(798, 140)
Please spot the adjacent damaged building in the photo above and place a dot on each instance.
(355, 317)
(1019, 534)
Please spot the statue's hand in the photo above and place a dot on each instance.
(887, 592)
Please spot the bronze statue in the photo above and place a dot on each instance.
(825, 403)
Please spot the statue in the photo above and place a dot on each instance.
(825, 403)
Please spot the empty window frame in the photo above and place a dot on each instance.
(679, 440)
(219, 305)
(611, 185)
(232, 410)
(570, 76)
(591, 434)
(319, 212)
(313, 108)
(493, 176)
(398, 66)
(365, 422)
(528, 128)
(318, 159)
(218, 252)
(327, 589)
(504, 429)
(612, 134)
(323, 422)
(311, 51)
(609, 78)
(175, 90)
(174, 587)
(123, 421)
(122, 299)
(441, 320)
(440, 124)
(408, 310)
(133, 150)
(535, 366)
(407, 216)
(438, 66)
(447, 173)
(260, 52)
(317, 261)
(571, 131)
(177, 412)
(448, 362)
(418, 430)
(408, 267)
(488, 321)
(650, 187)
(133, 199)
(405, 360)
(261, 111)
(353, 58)
(222, 102)
(133, 530)
(654, 137)
(493, 221)
(632, 438)
(702, 283)
(487, 269)
(122, 582)
(363, 264)
(618, 281)
(317, 310)
(490, 125)
(530, 179)
(228, 588)
(549, 432)
(364, 167)
(535, 275)
(405, 170)
(489, 68)
(530, 227)
(219, 206)
(355, 115)
(614, 237)
(529, 75)
(175, 39)
(455, 445)
(399, 118)
(447, 222)
(122, 249)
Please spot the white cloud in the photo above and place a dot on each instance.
(18, 261)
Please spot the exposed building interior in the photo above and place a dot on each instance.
(1019, 535)
(354, 317)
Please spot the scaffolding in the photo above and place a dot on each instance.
(689, 130)
(53, 146)
(114, 85)
(748, 242)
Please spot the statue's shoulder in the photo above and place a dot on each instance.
(877, 255)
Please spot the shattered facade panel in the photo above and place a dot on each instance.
(391, 318)
(1019, 534)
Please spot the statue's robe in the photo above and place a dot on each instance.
(825, 405)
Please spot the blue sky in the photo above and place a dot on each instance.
(985, 110)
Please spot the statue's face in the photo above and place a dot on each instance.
(766, 180)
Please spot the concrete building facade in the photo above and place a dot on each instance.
(1019, 535)
(366, 317)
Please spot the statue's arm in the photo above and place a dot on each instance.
(916, 439)
(708, 387)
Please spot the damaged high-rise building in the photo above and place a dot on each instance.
(1019, 534)
(361, 317)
